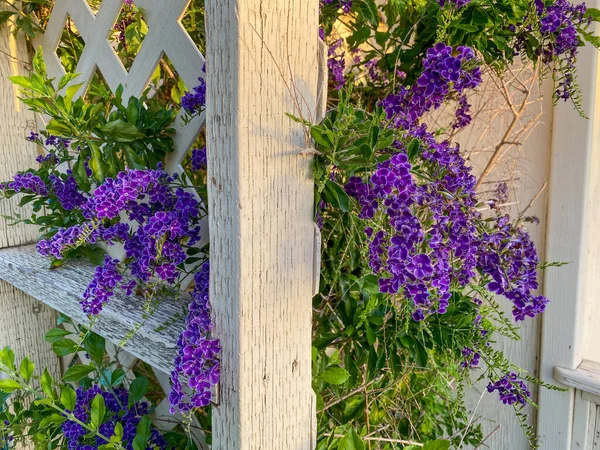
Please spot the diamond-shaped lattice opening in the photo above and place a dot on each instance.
(94, 5)
(193, 22)
(166, 86)
(128, 34)
(98, 88)
(70, 46)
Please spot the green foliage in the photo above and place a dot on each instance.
(34, 404)
(110, 134)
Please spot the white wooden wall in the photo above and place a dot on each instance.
(526, 171)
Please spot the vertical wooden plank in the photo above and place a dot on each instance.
(581, 428)
(23, 320)
(261, 64)
(567, 240)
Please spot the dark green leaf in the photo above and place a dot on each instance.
(55, 334)
(95, 346)
(5, 15)
(138, 389)
(64, 347)
(121, 131)
(76, 373)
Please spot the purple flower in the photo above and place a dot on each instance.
(510, 389)
(193, 101)
(198, 159)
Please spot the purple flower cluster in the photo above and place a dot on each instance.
(28, 183)
(508, 256)
(102, 287)
(193, 101)
(445, 71)
(117, 411)
(198, 159)
(196, 359)
(559, 24)
(336, 64)
(346, 5)
(163, 223)
(408, 260)
(510, 389)
(463, 116)
(67, 191)
(50, 158)
(471, 356)
(427, 239)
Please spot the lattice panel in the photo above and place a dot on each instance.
(166, 37)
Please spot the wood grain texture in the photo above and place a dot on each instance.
(61, 289)
(261, 64)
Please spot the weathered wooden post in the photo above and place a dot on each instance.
(261, 64)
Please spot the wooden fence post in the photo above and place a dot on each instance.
(261, 64)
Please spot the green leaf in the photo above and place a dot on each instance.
(119, 430)
(351, 441)
(55, 334)
(66, 79)
(64, 347)
(71, 91)
(52, 419)
(46, 382)
(320, 137)
(26, 369)
(80, 175)
(98, 411)
(24, 82)
(336, 196)
(335, 375)
(68, 398)
(122, 131)
(143, 434)
(138, 389)
(5, 15)
(76, 373)
(7, 385)
(95, 346)
(440, 444)
(594, 13)
(412, 149)
(39, 66)
(58, 128)
(7, 358)
(117, 376)
(96, 164)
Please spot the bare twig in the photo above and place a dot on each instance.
(482, 443)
